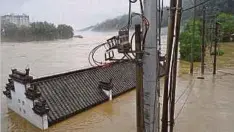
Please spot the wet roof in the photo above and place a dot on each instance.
(71, 93)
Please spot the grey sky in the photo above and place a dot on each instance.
(78, 13)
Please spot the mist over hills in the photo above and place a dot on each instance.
(121, 21)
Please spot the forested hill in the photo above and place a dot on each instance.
(121, 21)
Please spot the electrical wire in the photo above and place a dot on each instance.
(186, 100)
(92, 53)
(146, 23)
(188, 87)
(202, 3)
(142, 8)
(94, 62)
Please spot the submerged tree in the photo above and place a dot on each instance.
(186, 39)
(37, 31)
(65, 31)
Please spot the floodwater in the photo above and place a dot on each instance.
(202, 105)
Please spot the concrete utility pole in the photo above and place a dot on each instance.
(151, 68)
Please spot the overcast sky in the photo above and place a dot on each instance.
(78, 13)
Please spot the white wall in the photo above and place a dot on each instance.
(23, 106)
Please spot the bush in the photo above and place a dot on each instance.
(186, 38)
(219, 52)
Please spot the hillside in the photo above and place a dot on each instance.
(87, 28)
(121, 21)
(225, 6)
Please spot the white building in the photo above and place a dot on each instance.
(49, 100)
(18, 20)
(24, 99)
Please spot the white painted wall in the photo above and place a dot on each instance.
(108, 93)
(23, 106)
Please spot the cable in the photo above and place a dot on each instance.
(146, 23)
(188, 87)
(142, 8)
(178, 114)
(92, 53)
(202, 3)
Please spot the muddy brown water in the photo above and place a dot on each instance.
(202, 105)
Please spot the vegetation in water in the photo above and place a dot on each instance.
(37, 31)
(186, 39)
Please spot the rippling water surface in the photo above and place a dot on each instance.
(208, 108)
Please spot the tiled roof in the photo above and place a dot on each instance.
(70, 93)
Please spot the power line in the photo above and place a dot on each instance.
(188, 87)
(186, 100)
(202, 3)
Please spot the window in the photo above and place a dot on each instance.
(20, 109)
(18, 100)
(22, 102)
(24, 111)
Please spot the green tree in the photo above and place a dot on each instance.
(65, 31)
(37, 31)
(227, 25)
(8, 30)
(23, 34)
(44, 31)
(186, 39)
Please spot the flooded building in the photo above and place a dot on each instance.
(18, 20)
(48, 100)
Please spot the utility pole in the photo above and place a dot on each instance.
(151, 81)
(174, 63)
(203, 42)
(215, 47)
(193, 39)
(139, 80)
(171, 25)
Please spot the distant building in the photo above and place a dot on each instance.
(18, 20)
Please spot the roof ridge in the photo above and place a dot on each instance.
(72, 72)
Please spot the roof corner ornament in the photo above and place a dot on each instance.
(40, 107)
(106, 87)
(9, 87)
(32, 93)
(27, 71)
(22, 77)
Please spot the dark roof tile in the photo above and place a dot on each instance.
(70, 93)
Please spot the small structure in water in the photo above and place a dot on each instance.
(48, 100)
(78, 36)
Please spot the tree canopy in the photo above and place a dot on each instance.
(227, 25)
(65, 31)
(37, 31)
(186, 38)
